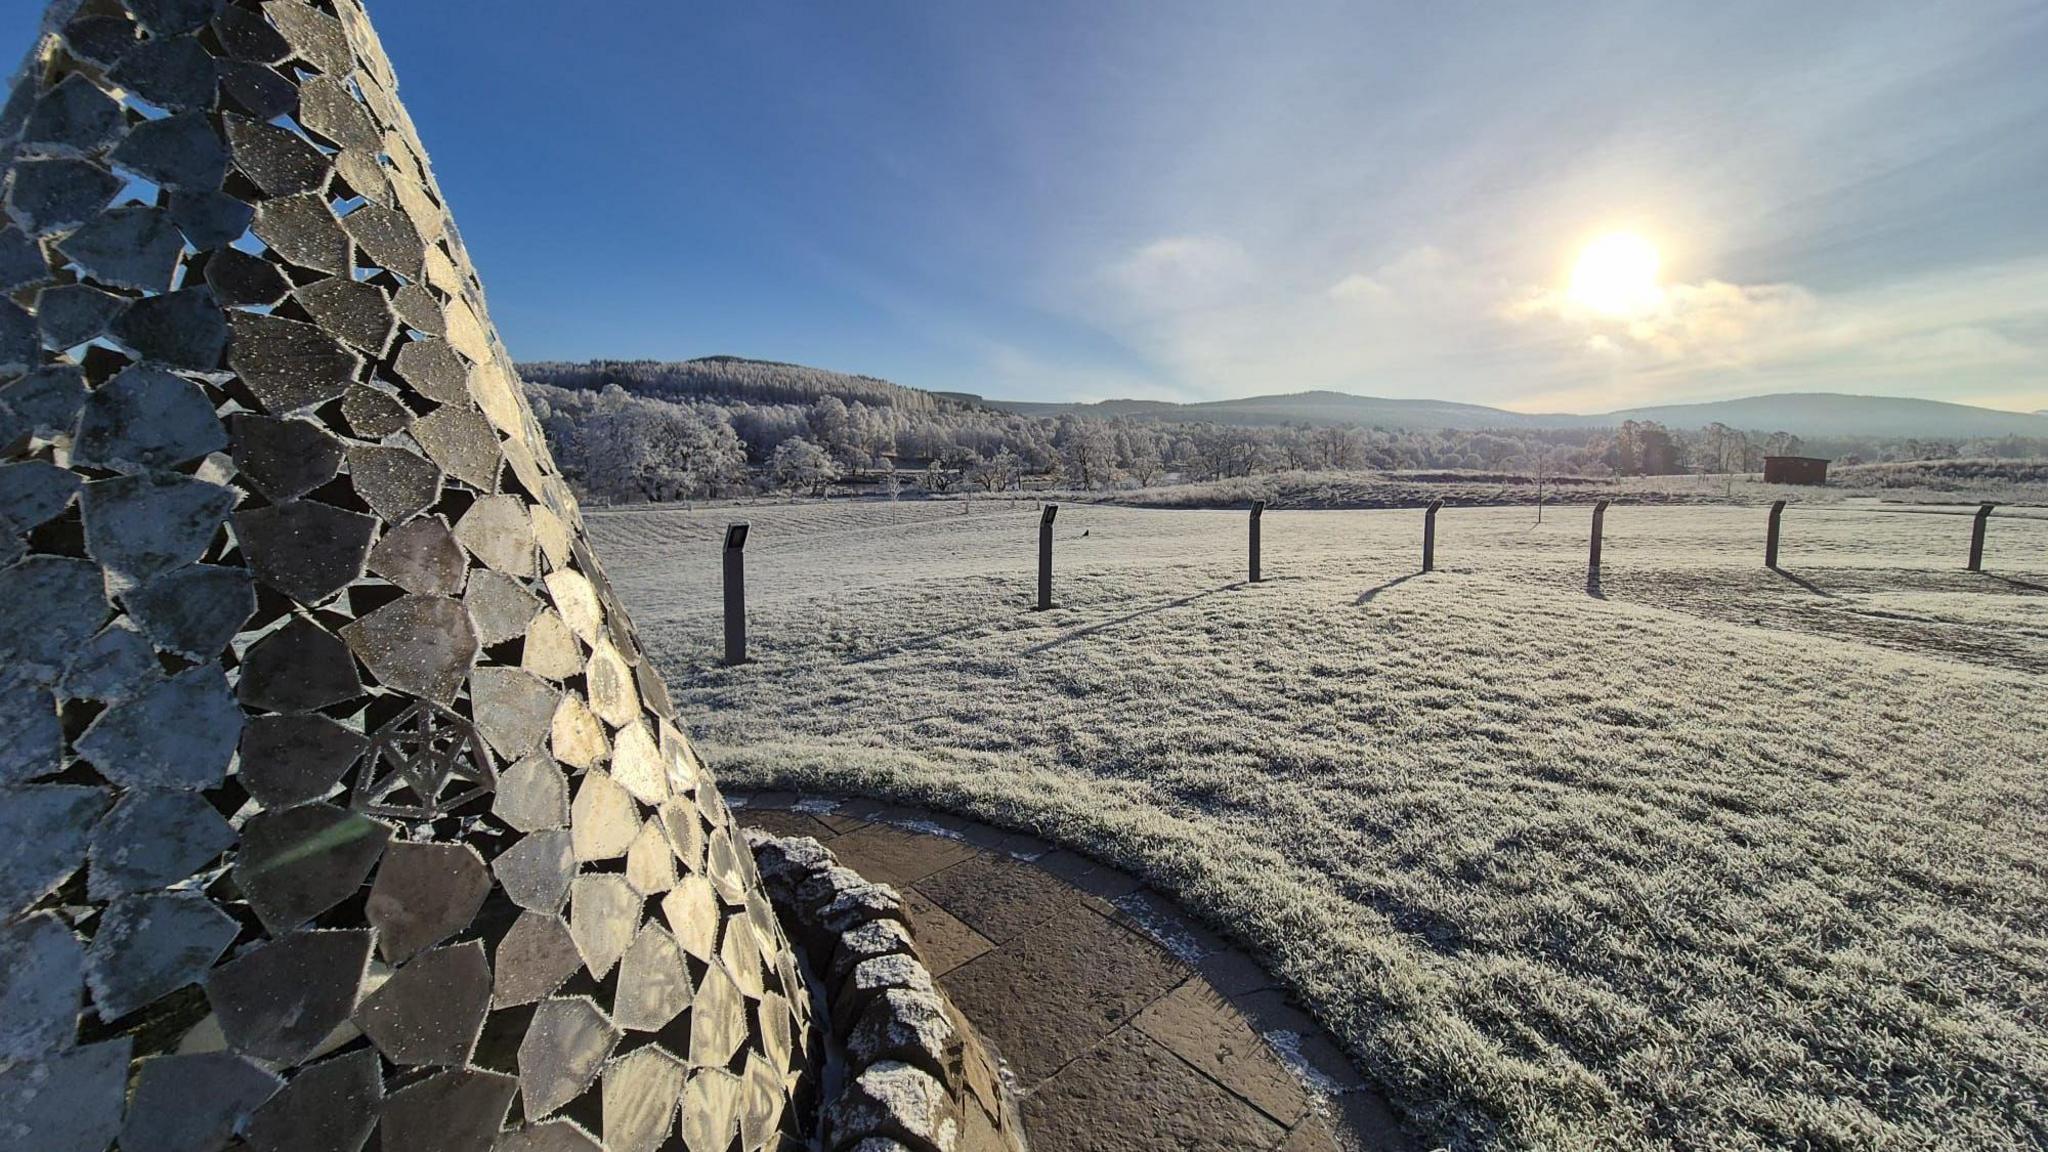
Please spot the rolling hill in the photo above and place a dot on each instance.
(1808, 414)
(1814, 415)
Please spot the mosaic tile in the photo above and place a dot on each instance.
(55, 195)
(173, 72)
(641, 1092)
(536, 871)
(74, 116)
(195, 610)
(178, 733)
(146, 525)
(42, 979)
(500, 606)
(431, 1010)
(282, 458)
(396, 483)
(209, 219)
(154, 839)
(181, 329)
(711, 1110)
(654, 982)
(149, 946)
(498, 532)
(179, 151)
(281, 999)
(296, 863)
(604, 915)
(423, 645)
(603, 819)
(288, 364)
(332, 1106)
(31, 736)
(423, 895)
(71, 314)
(303, 231)
(387, 239)
(128, 247)
(298, 668)
(553, 1136)
(68, 1101)
(551, 649)
(536, 957)
(373, 414)
(433, 368)
(463, 445)
(514, 709)
(460, 1110)
(532, 795)
(146, 419)
(354, 310)
(421, 557)
(564, 1047)
(276, 160)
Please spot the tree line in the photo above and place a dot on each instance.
(646, 431)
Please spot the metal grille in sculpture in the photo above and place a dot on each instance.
(336, 798)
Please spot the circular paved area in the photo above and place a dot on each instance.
(1124, 1026)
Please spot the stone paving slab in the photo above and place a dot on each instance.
(1124, 1024)
(942, 939)
(1131, 1093)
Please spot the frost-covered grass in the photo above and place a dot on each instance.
(1716, 859)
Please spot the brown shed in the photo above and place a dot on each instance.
(1795, 470)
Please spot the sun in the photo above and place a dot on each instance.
(1617, 275)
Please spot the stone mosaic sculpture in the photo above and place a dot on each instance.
(336, 798)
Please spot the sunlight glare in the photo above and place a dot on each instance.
(1617, 275)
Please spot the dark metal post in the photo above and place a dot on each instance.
(1977, 537)
(736, 594)
(1593, 559)
(1045, 556)
(1258, 509)
(1771, 539)
(1429, 536)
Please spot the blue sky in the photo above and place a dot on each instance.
(1193, 200)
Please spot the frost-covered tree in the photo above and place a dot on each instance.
(801, 466)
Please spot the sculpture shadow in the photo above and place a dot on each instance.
(1092, 629)
(1367, 596)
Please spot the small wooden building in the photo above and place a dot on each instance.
(1795, 470)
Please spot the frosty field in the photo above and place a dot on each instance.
(1715, 858)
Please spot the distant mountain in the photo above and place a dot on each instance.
(1301, 408)
(1815, 414)
(1808, 414)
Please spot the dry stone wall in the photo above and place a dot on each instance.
(913, 1075)
(336, 798)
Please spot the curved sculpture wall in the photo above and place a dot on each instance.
(335, 794)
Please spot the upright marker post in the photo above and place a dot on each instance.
(1593, 558)
(736, 594)
(1977, 537)
(1045, 556)
(1429, 536)
(1258, 509)
(1771, 538)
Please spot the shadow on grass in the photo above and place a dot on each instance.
(2015, 582)
(1092, 629)
(1803, 582)
(1366, 597)
(928, 640)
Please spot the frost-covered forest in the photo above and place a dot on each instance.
(628, 432)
